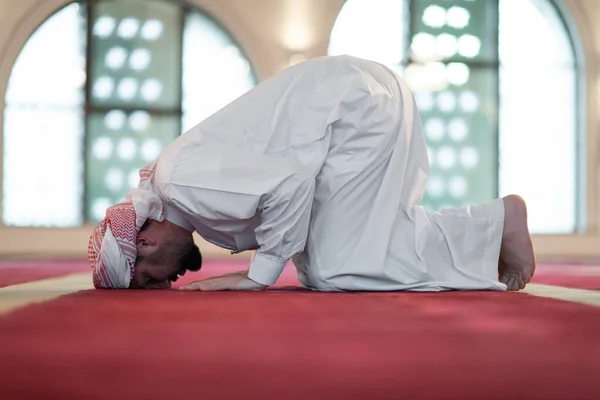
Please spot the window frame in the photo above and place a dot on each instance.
(89, 109)
(584, 243)
(72, 242)
(587, 216)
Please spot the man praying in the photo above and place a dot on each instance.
(325, 165)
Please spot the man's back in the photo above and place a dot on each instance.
(288, 114)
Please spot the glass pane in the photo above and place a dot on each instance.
(42, 183)
(215, 72)
(136, 58)
(51, 66)
(538, 143)
(371, 29)
(532, 33)
(43, 126)
(538, 115)
(119, 145)
(457, 97)
(454, 31)
(459, 123)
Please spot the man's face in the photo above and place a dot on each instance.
(151, 271)
(150, 276)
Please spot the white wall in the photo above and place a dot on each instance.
(263, 28)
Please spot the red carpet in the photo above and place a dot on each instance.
(15, 272)
(578, 276)
(295, 344)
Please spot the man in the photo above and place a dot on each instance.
(323, 164)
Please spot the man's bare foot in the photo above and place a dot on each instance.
(517, 259)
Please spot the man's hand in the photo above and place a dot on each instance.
(233, 281)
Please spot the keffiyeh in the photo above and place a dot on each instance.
(112, 247)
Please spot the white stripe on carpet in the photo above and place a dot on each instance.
(17, 296)
(582, 296)
(21, 295)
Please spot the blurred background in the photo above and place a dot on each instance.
(93, 90)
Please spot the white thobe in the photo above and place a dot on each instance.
(325, 164)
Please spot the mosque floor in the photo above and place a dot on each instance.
(60, 340)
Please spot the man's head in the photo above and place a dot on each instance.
(134, 246)
(164, 251)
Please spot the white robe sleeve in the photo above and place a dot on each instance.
(233, 185)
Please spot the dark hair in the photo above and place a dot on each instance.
(185, 256)
(189, 260)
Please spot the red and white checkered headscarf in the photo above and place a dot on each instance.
(112, 248)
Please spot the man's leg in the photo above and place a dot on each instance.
(387, 242)
(517, 260)
(472, 248)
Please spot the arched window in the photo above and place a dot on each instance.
(496, 83)
(98, 91)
